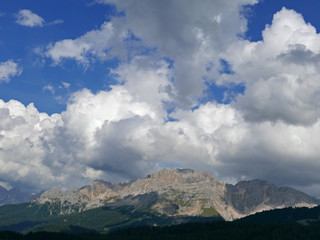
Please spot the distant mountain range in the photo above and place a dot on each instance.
(167, 197)
(180, 192)
(15, 195)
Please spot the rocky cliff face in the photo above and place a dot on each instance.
(248, 197)
(180, 192)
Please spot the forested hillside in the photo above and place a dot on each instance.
(213, 230)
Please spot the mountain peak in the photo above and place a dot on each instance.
(253, 181)
(181, 192)
(182, 176)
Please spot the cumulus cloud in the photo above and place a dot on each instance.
(88, 140)
(21, 149)
(117, 136)
(91, 139)
(27, 18)
(142, 74)
(138, 126)
(280, 72)
(95, 43)
(8, 70)
(191, 35)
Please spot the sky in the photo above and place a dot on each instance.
(115, 90)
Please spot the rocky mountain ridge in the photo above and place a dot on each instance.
(179, 192)
(15, 195)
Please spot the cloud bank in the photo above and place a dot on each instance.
(153, 118)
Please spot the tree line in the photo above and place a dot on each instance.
(218, 230)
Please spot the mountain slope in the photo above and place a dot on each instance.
(249, 197)
(303, 216)
(28, 217)
(15, 195)
(179, 192)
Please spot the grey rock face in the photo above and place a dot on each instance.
(248, 197)
(180, 192)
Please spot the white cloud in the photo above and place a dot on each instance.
(65, 85)
(93, 43)
(194, 141)
(281, 153)
(49, 88)
(192, 35)
(92, 174)
(117, 136)
(5, 185)
(23, 130)
(142, 74)
(87, 140)
(27, 18)
(8, 70)
(189, 34)
(55, 22)
(280, 72)
(269, 132)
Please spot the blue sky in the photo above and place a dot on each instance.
(262, 14)
(78, 17)
(19, 42)
(118, 89)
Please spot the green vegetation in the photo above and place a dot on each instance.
(26, 217)
(179, 198)
(39, 222)
(304, 216)
(218, 230)
(209, 212)
(32, 217)
(18, 217)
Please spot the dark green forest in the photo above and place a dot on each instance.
(26, 218)
(217, 230)
(303, 216)
(288, 223)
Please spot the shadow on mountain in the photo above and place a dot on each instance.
(20, 227)
(304, 216)
(77, 229)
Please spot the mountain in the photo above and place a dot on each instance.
(249, 197)
(15, 195)
(177, 192)
(170, 196)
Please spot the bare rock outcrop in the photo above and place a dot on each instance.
(180, 192)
